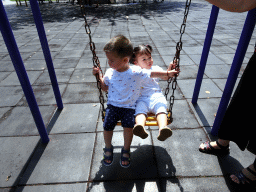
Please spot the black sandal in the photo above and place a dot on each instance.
(243, 179)
(125, 158)
(209, 149)
(110, 157)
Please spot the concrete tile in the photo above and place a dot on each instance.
(124, 186)
(10, 96)
(55, 188)
(88, 63)
(72, 53)
(34, 64)
(19, 121)
(184, 60)
(208, 88)
(196, 184)
(212, 59)
(179, 155)
(3, 75)
(66, 158)
(44, 94)
(143, 165)
(217, 71)
(6, 65)
(12, 79)
(81, 93)
(65, 63)
(82, 75)
(14, 154)
(77, 118)
(63, 76)
(205, 110)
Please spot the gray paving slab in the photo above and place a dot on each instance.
(190, 162)
(44, 95)
(18, 121)
(55, 188)
(75, 118)
(143, 165)
(81, 93)
(208, 88)
(62, 160)
(14, 154)
(10, 96)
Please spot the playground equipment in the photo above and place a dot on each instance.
(236, 65)
(151, 119)
(20, 69)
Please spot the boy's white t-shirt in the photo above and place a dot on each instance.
(124, 87)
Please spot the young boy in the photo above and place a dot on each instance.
(123, 83)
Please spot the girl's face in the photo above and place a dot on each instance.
(145, 61)
(116, 63)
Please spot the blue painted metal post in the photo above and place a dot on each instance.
(236, 65)
(21, 72)
(205, 53)
(47, 54)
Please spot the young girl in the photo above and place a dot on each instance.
(123, 83)
(151, 99)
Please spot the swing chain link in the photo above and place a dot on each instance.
(176, 58)
(95, 59)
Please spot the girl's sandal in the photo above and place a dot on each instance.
(243, 179)
(140, 131)
(109, 158)
(209, 149)
(165, 133)
(125, 158)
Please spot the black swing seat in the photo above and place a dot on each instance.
(151, 119)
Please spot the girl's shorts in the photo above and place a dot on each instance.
(114, 114)
(151, 105)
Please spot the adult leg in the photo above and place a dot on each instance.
(249, 174)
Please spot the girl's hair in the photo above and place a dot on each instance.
(140, 50)
(120, 45)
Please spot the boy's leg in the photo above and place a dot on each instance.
(108, 143)
(128, 135)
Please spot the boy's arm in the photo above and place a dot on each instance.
(96, 71)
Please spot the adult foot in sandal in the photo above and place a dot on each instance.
(164, 133)
(140, 131)
(219, 147)
(125, 160)
(108, 156)
(246, 176)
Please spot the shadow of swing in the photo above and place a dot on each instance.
(151, 168)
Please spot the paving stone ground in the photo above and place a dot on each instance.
(72, 160)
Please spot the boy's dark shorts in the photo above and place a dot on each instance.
(114, 114)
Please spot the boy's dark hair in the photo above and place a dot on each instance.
(140, 50)
(120, 45)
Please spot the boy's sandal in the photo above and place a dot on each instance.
(139, 131)
(209, 149)
(125, 158)
(110, 157)
(165, 132)
(243, 179)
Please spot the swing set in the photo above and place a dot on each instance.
(151, 119)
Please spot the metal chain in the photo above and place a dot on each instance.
(176, 58)
(95, 59)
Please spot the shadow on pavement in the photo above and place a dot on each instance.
(145, 167)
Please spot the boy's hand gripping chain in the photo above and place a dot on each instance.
(176, 59)
(95, 59)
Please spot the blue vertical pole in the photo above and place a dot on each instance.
(236, 65)
(47, 54)
(205, 53)
(21, 72)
